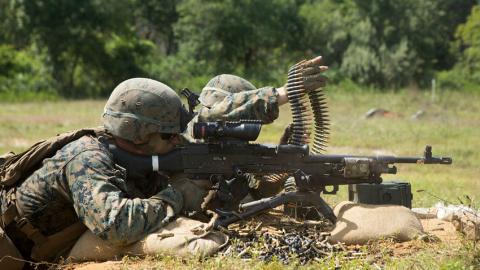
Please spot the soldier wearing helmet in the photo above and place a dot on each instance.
(80, 188)
(229, 97)
(145, 116)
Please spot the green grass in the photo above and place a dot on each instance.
(451, 125)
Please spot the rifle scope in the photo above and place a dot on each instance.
(245, 130)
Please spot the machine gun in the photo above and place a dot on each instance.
(227, 154)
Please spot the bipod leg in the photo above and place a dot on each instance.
(250, 209)
(316, 201)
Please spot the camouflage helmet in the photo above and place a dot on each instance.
(140, 107)
(221, 86)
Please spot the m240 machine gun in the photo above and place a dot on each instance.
(227, 154)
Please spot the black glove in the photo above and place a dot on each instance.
(312, 74)
(227, 194)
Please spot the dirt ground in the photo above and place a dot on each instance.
(444, 230)
(438, 231)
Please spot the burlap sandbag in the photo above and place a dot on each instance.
(182, 237)
(360, 223)
(193, 191)
(10, 257)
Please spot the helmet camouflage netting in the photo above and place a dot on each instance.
(139, 107)
(221, 86)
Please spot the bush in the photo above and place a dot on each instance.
(23, 75)
(457, 79)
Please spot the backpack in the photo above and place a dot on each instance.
(15, 167)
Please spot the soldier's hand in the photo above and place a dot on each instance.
(172, 203)
(312, 71)
(286, 135)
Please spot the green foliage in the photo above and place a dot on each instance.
(87, 47)
(179, 70)
(237, 36)
(155, 19)
(384, 43)
(23, 75)
(91, 44)
(469, 38)
(122, 58)
(466, 74)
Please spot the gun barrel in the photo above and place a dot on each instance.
(427, 158)
(423, 160)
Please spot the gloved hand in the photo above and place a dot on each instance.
(238, 189)
(227, 194)
(312, 73)
(287, 132)
(173, 200)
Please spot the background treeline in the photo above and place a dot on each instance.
(83, 48)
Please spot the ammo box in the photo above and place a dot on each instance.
(398, 193)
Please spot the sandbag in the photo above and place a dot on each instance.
(10, 257)
(193, 191)
(359, 223)
(182, 237)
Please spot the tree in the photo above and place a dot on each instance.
(235, 35)
(87, 41)
(468, 35)
(11, 28)
(155, 20)
(382, 42)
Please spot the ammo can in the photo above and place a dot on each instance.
(390, 192)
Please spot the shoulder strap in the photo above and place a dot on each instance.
(14, 167)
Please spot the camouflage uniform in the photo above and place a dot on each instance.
(230, 98)
(82, 182)
(259, 104)
(221, 101)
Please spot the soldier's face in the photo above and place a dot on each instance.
(158, 145)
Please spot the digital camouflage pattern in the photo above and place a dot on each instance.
(221, 86)
(82, 182)
(230, 98)
(139, 107)
(260, 104)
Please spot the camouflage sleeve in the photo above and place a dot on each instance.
(259, 104)
(103, 207)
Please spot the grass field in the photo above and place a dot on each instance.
(451, 124)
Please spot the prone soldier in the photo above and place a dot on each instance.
(79, 191)
(80, 188)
